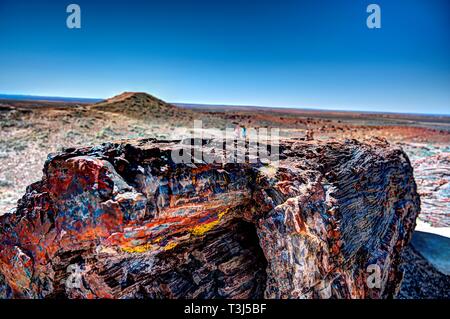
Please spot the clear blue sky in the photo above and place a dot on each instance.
(315, 54)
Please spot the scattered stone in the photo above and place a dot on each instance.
(5, 183)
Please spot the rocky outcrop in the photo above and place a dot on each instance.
(122, 220)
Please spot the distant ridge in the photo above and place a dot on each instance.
(20, 97)
(213, 107)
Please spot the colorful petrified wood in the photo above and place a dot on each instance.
(122, 220)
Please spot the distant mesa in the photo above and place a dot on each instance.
(133, 96)
(137, 104)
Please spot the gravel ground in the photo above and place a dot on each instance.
(421, 280)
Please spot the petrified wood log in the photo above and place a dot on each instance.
(124, 221)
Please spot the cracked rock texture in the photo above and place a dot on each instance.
(122, 220)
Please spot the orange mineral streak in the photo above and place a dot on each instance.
(157, 233)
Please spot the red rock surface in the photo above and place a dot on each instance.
(123, 220)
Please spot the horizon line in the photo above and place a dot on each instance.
(50, 98)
